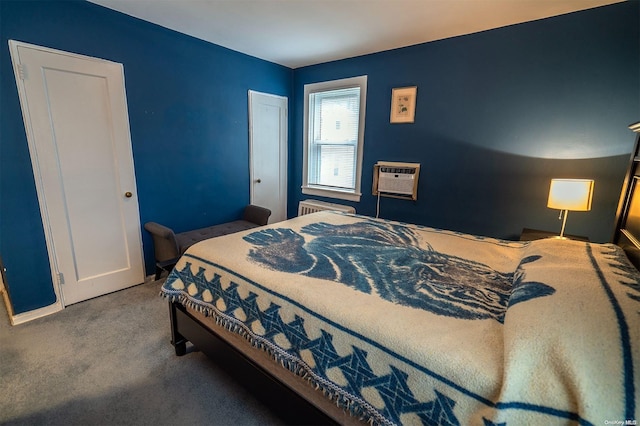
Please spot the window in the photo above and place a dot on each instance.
(333, 141)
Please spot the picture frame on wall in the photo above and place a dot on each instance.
(403, 104)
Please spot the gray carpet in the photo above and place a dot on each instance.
(108, 361)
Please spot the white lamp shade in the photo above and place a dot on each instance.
(571, 194)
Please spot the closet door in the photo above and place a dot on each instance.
(77, 124)
(268, 153)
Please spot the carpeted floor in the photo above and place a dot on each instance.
(108, 361)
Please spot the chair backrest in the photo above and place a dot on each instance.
(256, 214)
(165, 246)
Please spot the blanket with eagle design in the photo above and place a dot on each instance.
(405, 324)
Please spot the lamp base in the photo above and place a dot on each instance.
(564, 223)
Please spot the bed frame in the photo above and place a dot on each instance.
(188, 325)
(627, 230)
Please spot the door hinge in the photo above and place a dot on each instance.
(60, 278)
(22, 72)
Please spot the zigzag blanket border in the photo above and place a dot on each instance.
(354, 405)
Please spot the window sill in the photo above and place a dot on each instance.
(329, 193)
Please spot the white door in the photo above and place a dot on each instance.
(77, 124)
(268, 152)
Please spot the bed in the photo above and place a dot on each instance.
(381, 322)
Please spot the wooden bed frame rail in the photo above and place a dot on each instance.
(188, 325)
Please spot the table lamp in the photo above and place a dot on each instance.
(570, 194)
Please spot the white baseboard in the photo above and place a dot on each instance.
(30, 315)
(41, 312)
(35, 314)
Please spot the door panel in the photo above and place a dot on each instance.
(268, 134)
(78, 131)
(81, 127)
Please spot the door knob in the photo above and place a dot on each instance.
(258, 180)
(128, 194)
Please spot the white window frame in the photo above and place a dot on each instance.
(326, 191)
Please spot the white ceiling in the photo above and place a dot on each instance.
(297, 33)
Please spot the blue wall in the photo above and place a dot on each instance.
(498, 114)
(187, 103)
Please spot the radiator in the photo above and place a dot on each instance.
(312, 206)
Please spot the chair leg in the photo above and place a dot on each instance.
(167, 265)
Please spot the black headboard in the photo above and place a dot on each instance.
(627, 232)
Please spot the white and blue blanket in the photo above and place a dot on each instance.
(404, 324)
